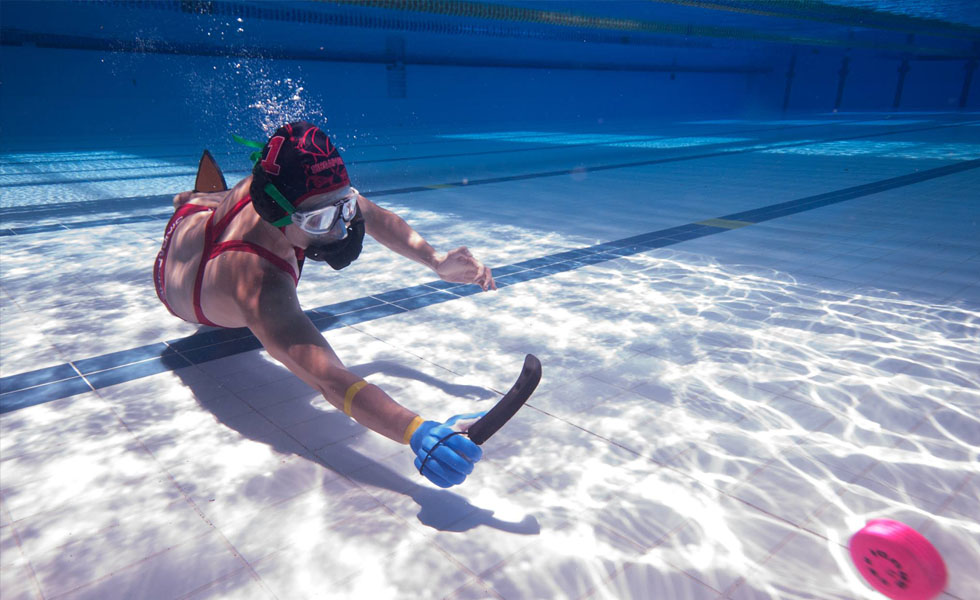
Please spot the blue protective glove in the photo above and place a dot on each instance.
(447, 463)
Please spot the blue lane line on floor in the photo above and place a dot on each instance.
(62, 381)
(97, 207)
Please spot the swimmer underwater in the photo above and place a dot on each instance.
(233, 257)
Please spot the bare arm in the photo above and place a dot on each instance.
(275, 317)
(458, 266)
(397, 235)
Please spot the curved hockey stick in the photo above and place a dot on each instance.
(512, 401)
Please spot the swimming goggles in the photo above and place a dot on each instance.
(330, 220)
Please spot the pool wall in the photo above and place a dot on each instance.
(202, 68)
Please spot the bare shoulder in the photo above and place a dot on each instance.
(368, 209)
(210, 199)
(376, 219)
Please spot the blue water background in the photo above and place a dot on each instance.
(84, 73)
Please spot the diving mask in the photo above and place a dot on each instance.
(331, 220)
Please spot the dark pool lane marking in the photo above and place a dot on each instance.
(76, 377)
(154, 202)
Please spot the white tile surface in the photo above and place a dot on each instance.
(958, 542)
(19, 583)
(174, 571)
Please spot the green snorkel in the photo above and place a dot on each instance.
(255, 156)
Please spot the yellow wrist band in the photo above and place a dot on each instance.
(349, 396)
(411, 428)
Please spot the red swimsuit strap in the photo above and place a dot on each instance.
(199, 280)
(160, 265)
(220, 227)
(253, 248)
(188, 209)
(213, 231)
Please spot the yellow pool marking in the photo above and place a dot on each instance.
(725, 223)
(440, 186)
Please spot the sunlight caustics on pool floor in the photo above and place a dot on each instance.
(756, 335)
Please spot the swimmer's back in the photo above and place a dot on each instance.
(227, 271)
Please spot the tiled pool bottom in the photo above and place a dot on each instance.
(704, 456)
(716, 418)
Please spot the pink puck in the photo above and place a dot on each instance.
(898, 561)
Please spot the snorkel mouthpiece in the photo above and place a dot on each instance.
(341, 252)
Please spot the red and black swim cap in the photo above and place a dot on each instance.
(298, 161)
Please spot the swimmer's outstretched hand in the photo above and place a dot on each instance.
(443, 453)
(459, 266)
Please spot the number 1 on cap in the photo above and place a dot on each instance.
(269, 163)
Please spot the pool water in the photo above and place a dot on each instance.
(758, 330)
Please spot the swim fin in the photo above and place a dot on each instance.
(209, 177)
